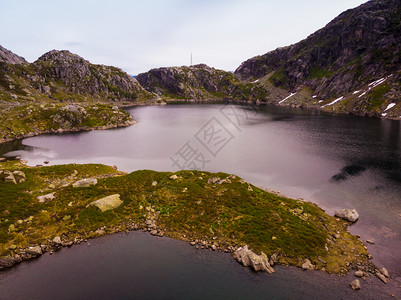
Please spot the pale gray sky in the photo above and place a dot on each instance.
(140, 35)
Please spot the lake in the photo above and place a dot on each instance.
(336, 161)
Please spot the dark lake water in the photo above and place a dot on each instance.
(334, 161)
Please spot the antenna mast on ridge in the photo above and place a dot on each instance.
(191, 59)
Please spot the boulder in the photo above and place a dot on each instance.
(173, 177)
(47, 197)
(250, 259)
(35, 251)
(107, 203)
(19, 176)
(6, 262)
(9, 177)
(154, 183)
(213, 180)
(57, 240)
(307, 265)
(347, 214)
(359, 273)
(381, 277)
(355, 285)
(87, 182)
(384, 271)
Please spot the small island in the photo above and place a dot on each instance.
(45, 208)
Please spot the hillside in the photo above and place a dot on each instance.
(352, 65)
(60, 76)
(198, 82)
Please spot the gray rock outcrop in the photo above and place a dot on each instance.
(248, 258)
(9, 57)
(107, 203)
(87, 182)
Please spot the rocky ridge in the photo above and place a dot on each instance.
(61, 76)
(351, 65)
(198, 82)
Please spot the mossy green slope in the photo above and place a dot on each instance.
(230, 214)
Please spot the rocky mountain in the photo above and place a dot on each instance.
(7, 56)
(198, 82)
(60, 76)
(353, 64)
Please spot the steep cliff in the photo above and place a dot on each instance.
(198, 82)
(357, 56)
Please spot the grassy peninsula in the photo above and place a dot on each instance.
(217, 211)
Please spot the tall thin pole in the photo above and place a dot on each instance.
(191, 58)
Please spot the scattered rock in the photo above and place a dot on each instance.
(6, 262)
(153, 232)
(8, 177)
(384, 271)
(173, 177)
(67, 218)
(107, 203)
(35, 251)
(347, 214)
(57, 240)
(87, 182)
(250, 259)
(154, 183)
(45, 198)
(355, 285)
(213, 180)
(307, 265)
(381, 277)
(2, 159)
(359, 273)
(46, 162)
(11, 228)
(12, 247)
(19, 176)
(370, 242)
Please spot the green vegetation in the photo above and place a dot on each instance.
(375, 96)
(20, 121)
(231, 213)
(278, 78)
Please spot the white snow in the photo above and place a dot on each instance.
(377, 82)
(356, 92)
(314, 96)
(320, 101)
(391, 105)
(255, 81)
(335, 101)
(385, 114)
(292, 94)
(363, 93)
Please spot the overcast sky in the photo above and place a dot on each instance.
(140, 35)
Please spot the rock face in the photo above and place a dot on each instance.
(10, 58)
(198, 82)
(62, 76)
(107, 203)
(248, 258)
(358, 47)
(87, 182)
(347, 214)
